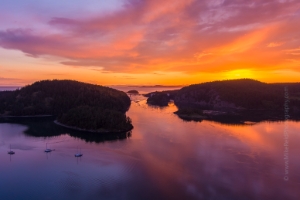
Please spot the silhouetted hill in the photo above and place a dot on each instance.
(240, 97)
(81, 105)
(160, 98)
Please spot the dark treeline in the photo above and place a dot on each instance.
(237, 100)
(93, 118)
(67, 100)
(244, 96)
(160, 98)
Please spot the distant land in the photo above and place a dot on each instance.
(9, 88)
(145, 89)
(135, 92)
(102, 109)
(233, 100)
(75, 104)
(170, 86)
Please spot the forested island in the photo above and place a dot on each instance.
(75, 104)
(235, 100)
(160, 98)
(133, 92)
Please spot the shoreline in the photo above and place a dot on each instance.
(193, 116)
(89, 131)
(66, 126)
(246, 117)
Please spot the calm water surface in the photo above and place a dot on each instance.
(163, 158)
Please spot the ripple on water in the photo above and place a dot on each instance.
(70, 183)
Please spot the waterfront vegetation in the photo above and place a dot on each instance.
(81, 105)
(242, 99)
(237, 100)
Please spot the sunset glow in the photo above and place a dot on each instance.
(149, 42)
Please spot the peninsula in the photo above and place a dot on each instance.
(75, 104)
(233, 100)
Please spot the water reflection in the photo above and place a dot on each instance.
(45, 127)
(164, 158)
(213, 161)
(248, 118)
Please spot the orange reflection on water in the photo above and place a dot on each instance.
(243, 160)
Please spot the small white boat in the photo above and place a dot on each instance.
(10, 152)
(47, 150)
(78, 154)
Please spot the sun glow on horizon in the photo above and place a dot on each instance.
(240, 73)
(163, 45)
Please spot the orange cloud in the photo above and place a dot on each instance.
(188, 38)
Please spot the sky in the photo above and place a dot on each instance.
(149, 42)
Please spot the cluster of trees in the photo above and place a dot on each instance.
(246, 93)
(69, 101)
(96, 118)
(243, 99)
(160, 98)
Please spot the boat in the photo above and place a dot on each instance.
(47, 150)
(78, 154)
(10, 152)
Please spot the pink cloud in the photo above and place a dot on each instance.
(154, 35)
